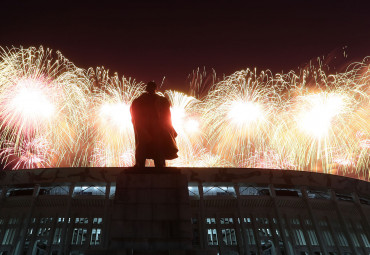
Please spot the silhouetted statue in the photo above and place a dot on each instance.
(154, 133)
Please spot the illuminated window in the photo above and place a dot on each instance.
(226, 220)
(57, 236)
(97, 220)
(193, 191)
(342, 239)
(212, 236)
(210, 220)
(228, 236)
(264, 232)
(219, 191)
(328, 238)
(250, 236)
(313, 237)
(95, 236)
(43, 232)
(89, 190)
(366, 241)
(46, 220)
(262, 220)
(54, 190)
(82, 220)
(9, 236)
(247, 220)
(299, 237)
(355, 240)
(79, 236)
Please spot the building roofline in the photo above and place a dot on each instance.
(211, 176)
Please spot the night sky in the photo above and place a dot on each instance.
(148, 40)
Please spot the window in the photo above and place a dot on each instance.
(355, 240)
(46, 220)
(262, 220)
(254, 191)
(299, 237)
(54, 190)
(82, 220)
(13, 192)
(247, 220)
(95, 236)
(212, 236)
(89, 190)
(112, 191)
(318, 194)
(193, 191)
(9, 236)
(210, 220)
(308, 222)
(79, 236)
(263, 232)
(313, 238)
(288, 192)
(342, 239)
(366, 241)
(57, 236)
(343, 196)
(226, 220)
(295, 221)
(228, 236)
(328, 238)
(97, 220)
(323, 223)
(43, 232)
(219, 191)
(250, 236)
(13, 221)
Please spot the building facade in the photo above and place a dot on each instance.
(233, 211)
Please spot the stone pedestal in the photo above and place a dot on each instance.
(151, 213)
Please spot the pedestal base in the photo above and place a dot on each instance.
(151, 212)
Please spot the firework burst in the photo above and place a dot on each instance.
(112, 135)
(42, 96)
(238, 115)
(54, 114)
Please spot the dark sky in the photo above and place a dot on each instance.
(151, 39)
